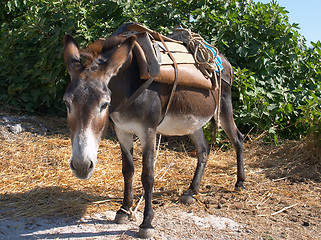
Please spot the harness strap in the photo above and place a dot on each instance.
(175, 80)
(217, 82)
(227, 80)
(218, 87)
(126, 103)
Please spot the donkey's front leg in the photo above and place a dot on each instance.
(148, 141)
(126, 144)
(203, 150)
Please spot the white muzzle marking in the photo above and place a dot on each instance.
(84, 153)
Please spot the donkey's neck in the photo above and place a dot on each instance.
(124, 84)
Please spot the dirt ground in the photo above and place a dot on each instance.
(41, 199)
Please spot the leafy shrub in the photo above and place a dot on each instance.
(33, 75)
(276, 74)
(311, 107)
(273, 66)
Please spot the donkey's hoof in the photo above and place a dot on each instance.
(146, 232)
(239, 187)
(187, 199)
(121, 218)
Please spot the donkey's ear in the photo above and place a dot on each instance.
(72, 56)
(119, 57)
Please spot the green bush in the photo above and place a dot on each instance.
(274, 69)
(311, 89)
(33, 75)
(277, 78)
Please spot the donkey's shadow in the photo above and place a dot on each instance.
(54, 212)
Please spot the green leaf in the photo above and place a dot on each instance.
(35, 94)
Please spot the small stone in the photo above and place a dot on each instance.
(5, 119)
(43, 128)
(16, 128)
(305, 224)
(219, 206)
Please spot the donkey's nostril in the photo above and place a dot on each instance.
(91, 165)
(72, 166)
(82, 169)
(87, 165)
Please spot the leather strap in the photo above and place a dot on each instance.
(227, 80)
(126, 103)
(175, 80)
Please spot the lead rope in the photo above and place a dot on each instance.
(175, 80)
(218, 112)
(205, 60)
(167, 108)
(133, 213)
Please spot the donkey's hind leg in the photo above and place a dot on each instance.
(235, 136)
(126, 145)
(203, 150)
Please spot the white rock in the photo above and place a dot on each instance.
(16, 128)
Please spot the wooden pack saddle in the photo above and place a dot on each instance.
(157, 56)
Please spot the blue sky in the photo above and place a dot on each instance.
(306, 13)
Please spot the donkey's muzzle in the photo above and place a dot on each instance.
(82, 169)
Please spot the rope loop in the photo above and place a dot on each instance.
(204, 57)
(131, 214)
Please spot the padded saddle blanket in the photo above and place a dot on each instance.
(154, 60)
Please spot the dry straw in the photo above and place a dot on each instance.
(36, 179)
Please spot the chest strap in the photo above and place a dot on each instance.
(125, 104)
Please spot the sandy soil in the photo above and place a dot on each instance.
(170, 223)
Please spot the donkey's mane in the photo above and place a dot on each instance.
(99, 48)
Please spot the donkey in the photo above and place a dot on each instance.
(108, 79)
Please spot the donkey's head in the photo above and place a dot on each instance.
(87, 99)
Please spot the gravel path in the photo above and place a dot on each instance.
(170, 223)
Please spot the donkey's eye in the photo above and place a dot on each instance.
(67, 106)
(104, 106)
